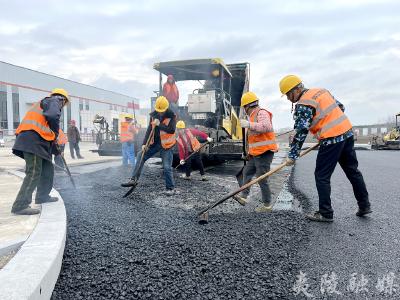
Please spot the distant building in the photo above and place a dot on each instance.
(21, 87)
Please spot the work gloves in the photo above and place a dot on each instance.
(290, 161)
(182, 162)
(244, 123)
(156, 122)
(209, 139)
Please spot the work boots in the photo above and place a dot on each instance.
(204, 178)
(264, 208)
(130, 183)
(241, 200)
(317, 217)
(363, 211)
(28, 211)
(46, 200)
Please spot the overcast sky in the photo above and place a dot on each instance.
(350, 47)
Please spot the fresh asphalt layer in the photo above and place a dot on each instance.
(361, 255)
(150, 246)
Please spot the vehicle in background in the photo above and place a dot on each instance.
(390, 141)
(214, 106)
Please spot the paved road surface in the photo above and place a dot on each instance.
(150, 246)
(366, 246)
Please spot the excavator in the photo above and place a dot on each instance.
(390, 141)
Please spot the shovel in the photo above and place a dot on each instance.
(66, 169)
(131, 189)
(198, 150)
(203, 215)
(239, 175)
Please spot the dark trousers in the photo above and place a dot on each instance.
(196, 159)
(167, 157)
(328, 157)
(74, 146)
(258, 165)
(39, 173)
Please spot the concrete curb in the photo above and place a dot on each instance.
(33, 272)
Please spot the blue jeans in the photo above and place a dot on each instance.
(128, 153)
(167, 156)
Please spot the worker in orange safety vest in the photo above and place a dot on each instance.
(127, 138)
(36, 143)
(261, 146)
(320, 113)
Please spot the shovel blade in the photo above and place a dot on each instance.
(203, 218)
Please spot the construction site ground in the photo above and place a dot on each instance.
(150, 246)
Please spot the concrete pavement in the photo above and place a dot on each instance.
(10, 161)
(14, 230)
(353, 258)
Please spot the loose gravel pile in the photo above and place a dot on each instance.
(150, 246)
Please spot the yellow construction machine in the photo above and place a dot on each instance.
(390, 141)
(214, 106)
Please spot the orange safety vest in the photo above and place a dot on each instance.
(194, 142)
(62, 138)
(35, 120)
(259, 143)
(329, 120)
(168, 140)
(126, 135)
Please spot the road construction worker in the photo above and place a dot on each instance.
(187, 145)
(163, 120)
(127, 138)
(171, 92)
(61, 141)
(35, 143)
(261, 146)
(74, 138)
(320, 113)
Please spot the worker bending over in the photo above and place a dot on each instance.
(164, 122)
(35, 143)
(187, 145)
(261, 145)
(320, 113)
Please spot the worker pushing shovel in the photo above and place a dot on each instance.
(203, 215)
(260, 147)
(160, 137)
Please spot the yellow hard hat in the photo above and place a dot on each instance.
(162, 104)
(248, 98)
(180, 124)
(288, 82)
(60, 92)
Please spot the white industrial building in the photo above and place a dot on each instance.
(21, 87)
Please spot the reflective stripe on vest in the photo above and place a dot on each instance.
(126, 135)
(193, 141)
(35, 120)
(168, 140)
(62, 138)
(329, 120)
(260, 143)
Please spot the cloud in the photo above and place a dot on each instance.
(349, 47)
